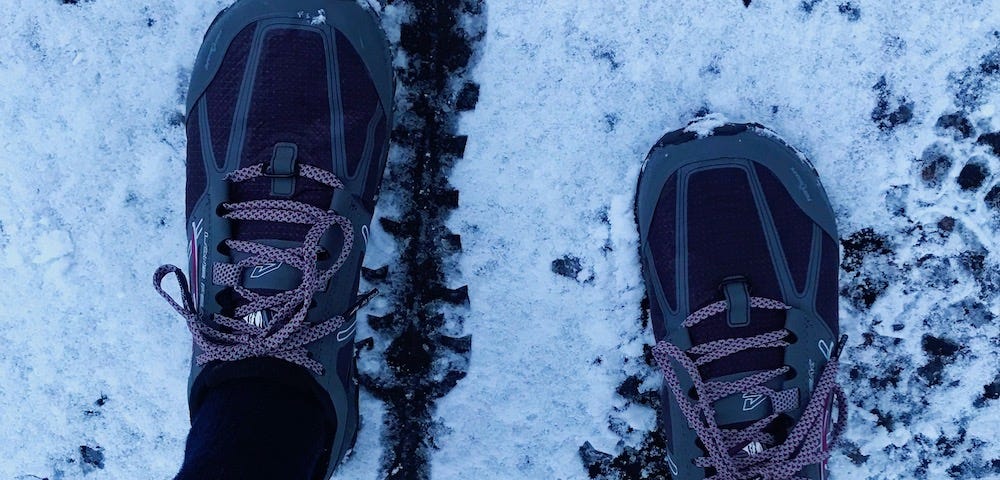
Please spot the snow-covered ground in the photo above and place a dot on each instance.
(893, 104)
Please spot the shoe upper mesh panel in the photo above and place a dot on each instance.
(664, 250)
(828, 295)
(224, 91)
(794, 227)
(726, 238)
(359, 101)
(196, 178)
(290, 103)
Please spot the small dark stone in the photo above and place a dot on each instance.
(938, 346)
(947, 224)
(993, 198)
(568, 266)
(957, 122)
(972, 176)
(897, 327)
(150, 22)
(935, 166)
(852, 13)
(746, 3)
(101, 401)
(991, 140)
(92, 456)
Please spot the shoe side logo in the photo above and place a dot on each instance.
(198, 252)
(258, 319)
(802, 185)
(261, 270)
(751, 402)
(826, 348)
(753, 448)
(364, 233)
(347, 331)
(673, 466)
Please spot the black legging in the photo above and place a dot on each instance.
(255, 429)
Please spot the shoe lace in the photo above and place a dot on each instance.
(287, 333)
(805, 444)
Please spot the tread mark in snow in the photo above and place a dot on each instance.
(424, 362)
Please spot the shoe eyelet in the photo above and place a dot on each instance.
(221, 210)
(791, 338)
(223, 248)
(692, 394)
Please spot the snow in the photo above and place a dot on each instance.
(573, 94)
(704, 126)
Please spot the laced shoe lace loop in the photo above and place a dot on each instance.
(287, 333)
(805, 444)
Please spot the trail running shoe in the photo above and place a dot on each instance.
(739, 251)
(288, 119)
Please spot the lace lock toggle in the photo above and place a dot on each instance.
(282, 169)
(737, 292)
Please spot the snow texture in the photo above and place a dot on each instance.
(896, 108)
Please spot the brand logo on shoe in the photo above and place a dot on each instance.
(753, 448)
(802, 185)
(364, 233)
(826, 348)
(258, 319)
(261, 270)
(194, 257)
(201, 261)
(673, 466)
(347, 331)
(751, 402)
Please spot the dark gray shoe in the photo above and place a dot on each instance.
(289, 114)
(739, 251)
